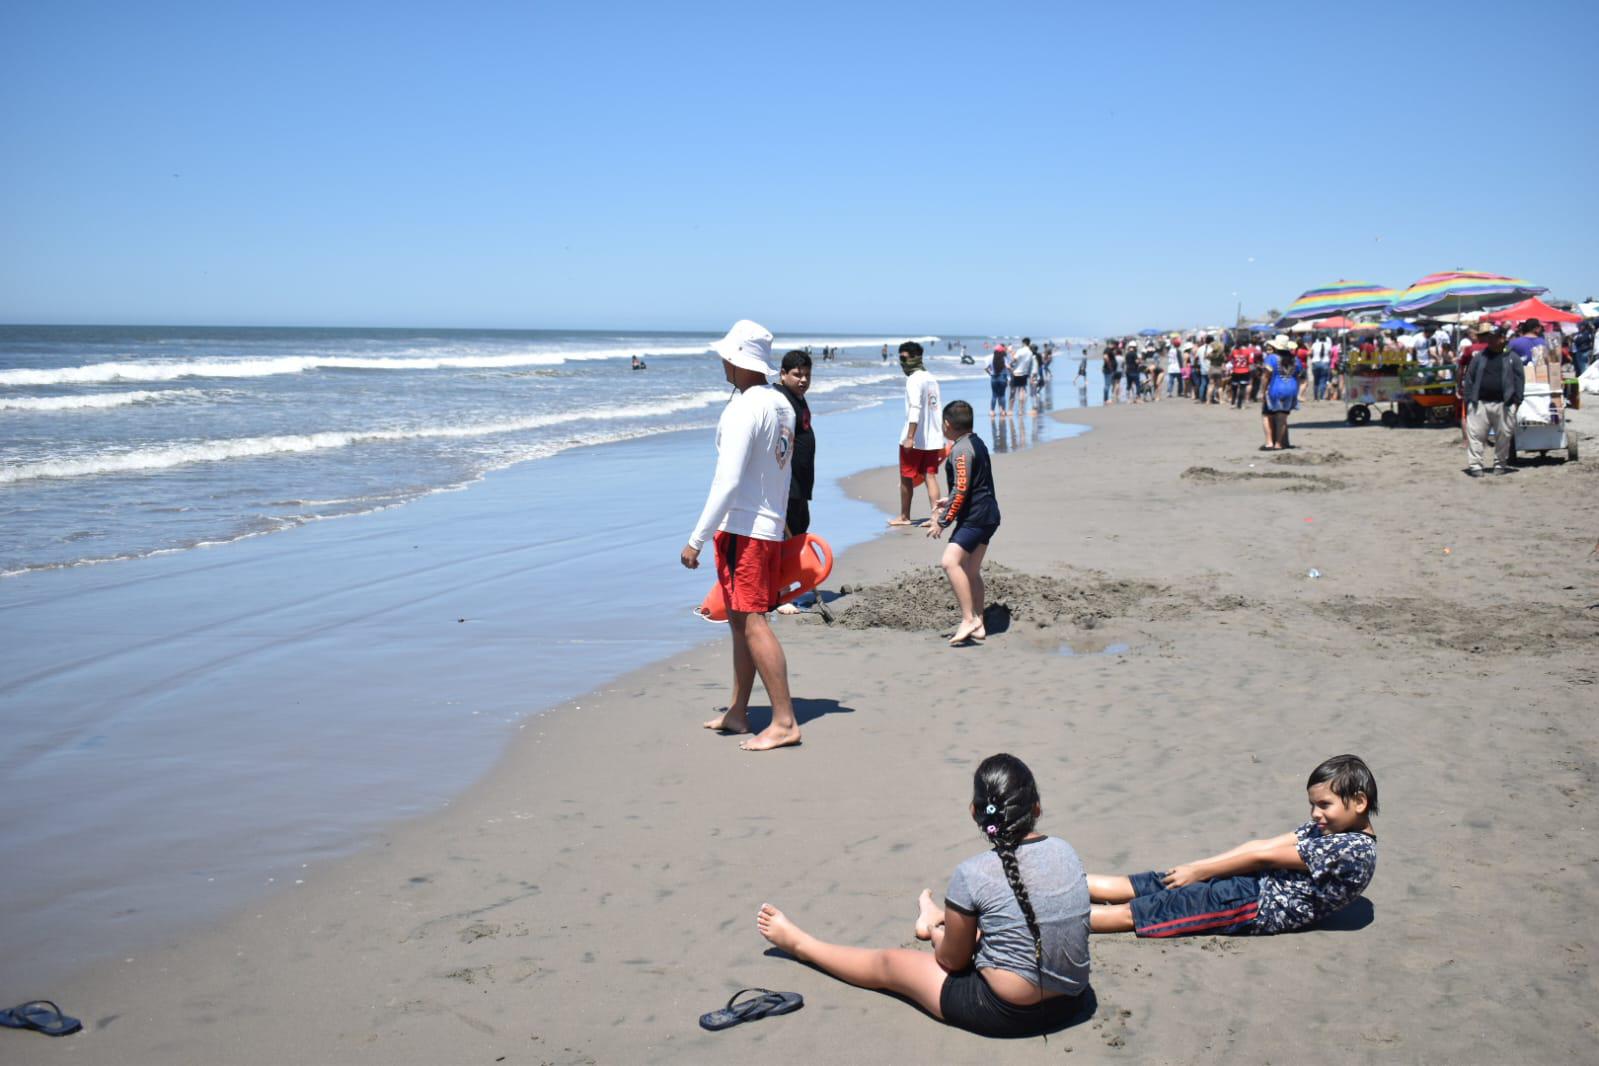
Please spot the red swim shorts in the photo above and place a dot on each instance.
(917, 463)
(747, 572)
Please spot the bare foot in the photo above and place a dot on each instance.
(775, 926)
(773, 736)
(964, 631)
(980, 633)
(901, 521)
(730, 721)
(931, 915)
(787, 608)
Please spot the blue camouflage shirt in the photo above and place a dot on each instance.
(1339, 869)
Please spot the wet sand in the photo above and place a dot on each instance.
(1171, 674)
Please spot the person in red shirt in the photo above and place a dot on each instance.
(1238, 384)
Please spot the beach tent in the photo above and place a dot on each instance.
(1151, 332)
(1531, 308)
(1302, 327)
(1398, 325)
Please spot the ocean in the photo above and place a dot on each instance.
(118, 443)
(268, 591)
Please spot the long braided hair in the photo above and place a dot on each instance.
(1004, 795)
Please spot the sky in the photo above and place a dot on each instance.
(1053, 168)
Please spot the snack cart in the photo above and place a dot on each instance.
(1370, 380)
(1541, 422)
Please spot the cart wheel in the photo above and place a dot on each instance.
(1571, 447)
(1388, 418)
(1359, 415)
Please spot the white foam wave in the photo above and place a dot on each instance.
(363, 505)
(96, 402)
(210, 451)
(170, 370)
(785, 343)
(831, 384)
(102, 373)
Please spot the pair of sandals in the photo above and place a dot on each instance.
(41, 1016)
(765, 1005)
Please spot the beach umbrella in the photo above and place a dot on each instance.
(1302, 327)
(1336, 322)
(1151, 332)
(1531, 308)
(1339, 298)
(1398, 325)
(1459, 291)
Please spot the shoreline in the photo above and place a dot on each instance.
(594, 892)
(301, 693)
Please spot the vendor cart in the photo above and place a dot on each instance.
(1428, 395)
(1370, 381)
(1541, 423)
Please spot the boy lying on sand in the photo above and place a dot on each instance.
(1262, 886)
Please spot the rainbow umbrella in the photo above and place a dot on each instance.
(1339, 298)
(1459, 291)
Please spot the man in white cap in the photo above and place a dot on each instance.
(745, 510)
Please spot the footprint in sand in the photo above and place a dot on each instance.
(479, 930)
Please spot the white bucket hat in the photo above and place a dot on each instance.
(1282, 343)
(748, 346)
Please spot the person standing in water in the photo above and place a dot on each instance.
(746, 509)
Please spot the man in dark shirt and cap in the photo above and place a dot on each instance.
(1492, 392)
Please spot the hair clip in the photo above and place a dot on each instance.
(992, 809)
(993, 829)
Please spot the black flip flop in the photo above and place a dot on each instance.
(764, 1005)
(41, 1016)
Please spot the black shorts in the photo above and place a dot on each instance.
(799, 516)
(967, 1002)
(971, 536)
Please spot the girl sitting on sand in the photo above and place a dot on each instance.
(1028, 898)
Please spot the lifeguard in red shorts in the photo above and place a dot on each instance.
(746, 509)
(921, 444)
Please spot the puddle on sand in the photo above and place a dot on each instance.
(1109, 649)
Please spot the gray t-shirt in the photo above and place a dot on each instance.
(1058, 889)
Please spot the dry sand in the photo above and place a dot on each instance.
(595, 894)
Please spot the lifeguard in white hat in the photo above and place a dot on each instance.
(744, 515)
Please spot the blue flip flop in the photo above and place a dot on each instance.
(41, 1016)
(764, 1005)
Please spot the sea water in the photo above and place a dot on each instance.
(209, 690)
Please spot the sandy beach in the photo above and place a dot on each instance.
(1171, 688)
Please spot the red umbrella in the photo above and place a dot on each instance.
(1338, 322)
(1532, 308)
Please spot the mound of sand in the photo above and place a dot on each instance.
(921, 599)
(1299, 458)
(1209, 475)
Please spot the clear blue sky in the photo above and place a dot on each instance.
(1046, 167)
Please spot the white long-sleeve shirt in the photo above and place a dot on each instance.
(924, 414)
(749, 494)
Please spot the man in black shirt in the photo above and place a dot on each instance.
(1491, 392)
(793, 382)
